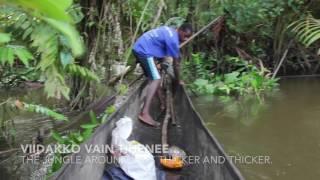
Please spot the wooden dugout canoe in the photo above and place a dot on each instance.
(190, 134)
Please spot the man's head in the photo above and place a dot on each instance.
(184, 31)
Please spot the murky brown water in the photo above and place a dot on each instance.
(286, 127)
(19, 127)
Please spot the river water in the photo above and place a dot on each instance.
(285, 128)
(20, 127)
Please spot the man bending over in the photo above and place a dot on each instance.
(157, 44)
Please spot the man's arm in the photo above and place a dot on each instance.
(174, 52)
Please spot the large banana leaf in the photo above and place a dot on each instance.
(54, 13)
(55, 9)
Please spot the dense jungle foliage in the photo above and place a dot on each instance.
(41, 43)
(70, 47)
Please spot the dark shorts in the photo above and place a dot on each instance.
(148, 65)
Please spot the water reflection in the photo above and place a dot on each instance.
(245, 110)
(285, 127)
(17, 126)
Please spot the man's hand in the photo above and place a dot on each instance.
(181, 82)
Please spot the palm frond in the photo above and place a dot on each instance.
(82, 72)
(54, 44)
(9, 53)
(306, 30)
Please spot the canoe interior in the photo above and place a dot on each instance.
(190, 134)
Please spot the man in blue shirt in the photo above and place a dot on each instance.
(156, 44)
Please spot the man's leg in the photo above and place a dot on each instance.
(145, 115)
(154, 82)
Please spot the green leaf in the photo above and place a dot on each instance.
(110, 109)
(63, 4)
(225, 88)
(65, 58)
(89, 126)
(57, 116)
(10, 56)
(313, 37)
(45, 111)
(5, 37)
(93, 117)
(1, 52)
(257, 82)
(210, 88)
(57, 137)
(104, 118)
(82, 71)
(201, 82)
(231, 77)
(71, 34)
(76, 13)
(55, 85)
(4, 55)
(24, 55)
(25, 25)
(27, 33)
(80, 139)
(51, 8)
(57, 162)
(87, 133)
(307, 30)
(75, 137)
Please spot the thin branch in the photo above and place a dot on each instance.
(281, 61)
(200, 31)
(4, 102)
(135, 35)
(9, 151)
(156, 18)
(164, 132)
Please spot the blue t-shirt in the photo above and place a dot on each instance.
(160, 42)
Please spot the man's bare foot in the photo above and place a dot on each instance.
(146, 118)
